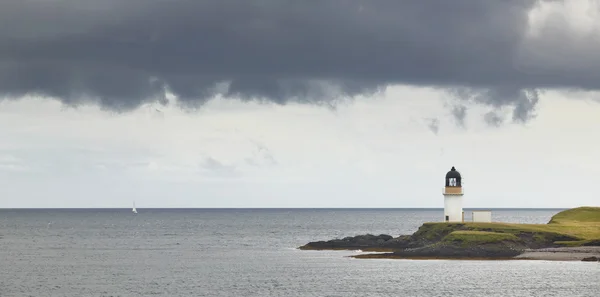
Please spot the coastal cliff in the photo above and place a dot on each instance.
(568, 229)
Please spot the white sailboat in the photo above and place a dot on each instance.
(134, 210)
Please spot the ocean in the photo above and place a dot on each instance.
(252, 252)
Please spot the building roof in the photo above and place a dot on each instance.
(453, 174)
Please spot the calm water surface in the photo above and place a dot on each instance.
(251, 252)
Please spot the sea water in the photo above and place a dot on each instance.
(252, 252)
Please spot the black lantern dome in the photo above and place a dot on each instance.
(453, 178)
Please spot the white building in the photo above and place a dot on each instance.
(453, 194)
(482, 216)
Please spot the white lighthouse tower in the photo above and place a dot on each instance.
(453, 194)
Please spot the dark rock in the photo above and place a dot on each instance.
(400, 242)
(349, 243)
(591, 259)
(592, 243)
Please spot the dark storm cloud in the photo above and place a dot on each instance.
(522, 100)
(124, 53)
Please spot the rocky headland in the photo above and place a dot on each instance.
(572, 234)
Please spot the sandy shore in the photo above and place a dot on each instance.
(561, 254)
(548, 254)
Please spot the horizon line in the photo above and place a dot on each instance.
(277, 208)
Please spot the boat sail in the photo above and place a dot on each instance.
(134, 210)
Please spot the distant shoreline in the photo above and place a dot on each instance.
(277, 208)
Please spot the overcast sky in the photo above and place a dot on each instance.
(281, 103)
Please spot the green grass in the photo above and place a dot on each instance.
(582, 222)
(479, 237)
(575, 242)
(578, 215)
(436, 231)
(571, 227)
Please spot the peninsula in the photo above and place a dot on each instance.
(572, 234)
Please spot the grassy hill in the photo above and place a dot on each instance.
(578, 215)
(478, 237)
(573, 227)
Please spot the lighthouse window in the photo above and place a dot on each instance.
(452, 182)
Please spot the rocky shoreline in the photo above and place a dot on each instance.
(406, 247)
(571, 235)
(462, 241)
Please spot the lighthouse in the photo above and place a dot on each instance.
(453, 194)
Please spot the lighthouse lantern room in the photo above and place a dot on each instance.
(453, 194)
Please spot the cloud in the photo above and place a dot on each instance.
(460, 113)
(433, 125)
(11, 163)
(523, 101)
(527, 99)
(493, 119)
(213, 166)
(121, 54)
(261, 155)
